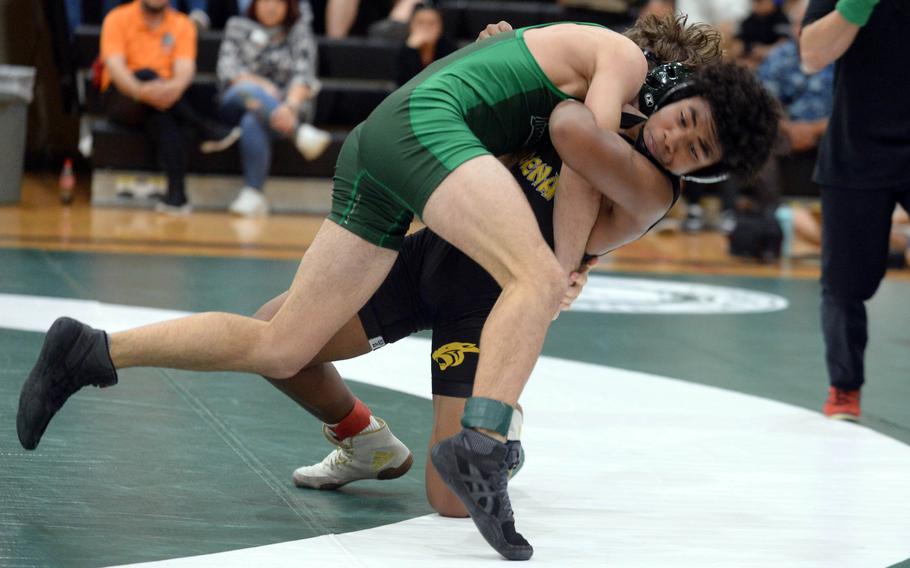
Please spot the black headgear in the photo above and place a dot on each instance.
(658, 81)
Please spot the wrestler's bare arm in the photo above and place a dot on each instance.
(640, 194)
(605, 70)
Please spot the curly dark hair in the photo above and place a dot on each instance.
(671, 40)
(745, 115)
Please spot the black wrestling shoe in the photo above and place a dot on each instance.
(73, 356)
(476, 469)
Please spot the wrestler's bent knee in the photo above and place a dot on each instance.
(280, 357)
(548, 282)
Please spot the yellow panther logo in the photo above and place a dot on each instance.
(452, 354)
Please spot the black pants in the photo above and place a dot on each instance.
(165, 130)
(856, 225)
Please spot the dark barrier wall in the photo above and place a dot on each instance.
(26, 39)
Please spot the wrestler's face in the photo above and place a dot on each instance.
(271, 13)
(682, 136)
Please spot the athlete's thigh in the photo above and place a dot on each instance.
(481, 210)
(338, 274)
(350, 341)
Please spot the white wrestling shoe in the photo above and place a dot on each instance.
(368, 455)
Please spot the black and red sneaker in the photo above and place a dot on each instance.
(842, 404)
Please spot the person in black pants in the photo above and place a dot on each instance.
(165, 128)
(863, 169)
(149, 51)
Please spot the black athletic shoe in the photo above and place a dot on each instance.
(476, 469)
(73, 356)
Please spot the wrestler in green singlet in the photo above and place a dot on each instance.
(490, 97)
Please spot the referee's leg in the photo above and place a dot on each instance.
(855, 229)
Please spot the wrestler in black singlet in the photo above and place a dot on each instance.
(435, 286)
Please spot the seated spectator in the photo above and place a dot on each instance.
(425, 43)
(267, 78)
(149, 53)
(806, 99)
(764, 28)
(376, 18)
(306, 11)
(807, 102)
(196, 9)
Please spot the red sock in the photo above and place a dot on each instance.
(354, 423)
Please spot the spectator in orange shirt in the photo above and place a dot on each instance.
(149, 55)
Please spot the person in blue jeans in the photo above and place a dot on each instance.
(267, 79)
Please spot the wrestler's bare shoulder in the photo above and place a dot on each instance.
(570, 55)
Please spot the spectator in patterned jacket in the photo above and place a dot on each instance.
(806, 99)
(267, 76)
(149, 55)
(807, 102)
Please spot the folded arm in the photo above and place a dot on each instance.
(619, 70)
(638, 194)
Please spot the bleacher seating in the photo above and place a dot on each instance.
(357, 73)
(348, 58)
(465, 18)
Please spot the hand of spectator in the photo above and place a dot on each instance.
(171, 92)
(802, 136)
(283, 119)
(419, 38)
(494, 29)
(156, 94)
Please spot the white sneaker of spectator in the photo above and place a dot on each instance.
(250, 203)
(311, 142)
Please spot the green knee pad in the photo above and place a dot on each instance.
(488, 414)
